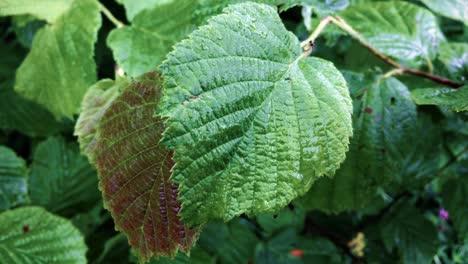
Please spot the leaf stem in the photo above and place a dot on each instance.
(338, 21)
(110, 16)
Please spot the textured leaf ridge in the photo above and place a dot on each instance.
(252, 125)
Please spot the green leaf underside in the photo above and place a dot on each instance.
(62, 180)
(133, 7)
(13, 179)
(60, 66)
(455, 99)
(252, 126)
(32, 235)
(454, 193)
(384, 116)
(408, 230)
(402, 30)
(48, 10)
(455, 9)
(134, 171)
(95, 103)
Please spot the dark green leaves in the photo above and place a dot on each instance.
(454, 194)
(406, 229)
(134, 172)
(60, 66)
(62, 179)
(252, 125)
(13, 179)
(32, 235)
(401, 30)
(383, 119)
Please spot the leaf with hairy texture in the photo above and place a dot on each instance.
(134, 173)
(383, 119)
(31, 235)
(16, 112)
(455, 99)
(455, 58)
(454, 193)
(49, 10)
(455, 9)
(406, 229)
(252, 124)
(13, 179)
(60, 66)
(401, 30)
(95, 102)
(62, 180)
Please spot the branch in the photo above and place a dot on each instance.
(110, 16)
(338, 21)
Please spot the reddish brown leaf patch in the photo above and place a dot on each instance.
(134, 173)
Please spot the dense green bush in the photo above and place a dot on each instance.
(211, 131)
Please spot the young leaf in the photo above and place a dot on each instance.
(61, 179)
(455, 9)
(60, 66)
(95, 102)
(32, 235)
(384, 117)
(134, 171)
(49, 10)
(402, 30)
(454, 193)
(408, 230)
(252, 125)
(455, 99)
(133, 7)
(13, 179)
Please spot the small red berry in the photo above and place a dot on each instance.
(297, 253)
(368, 110)
(25, 228)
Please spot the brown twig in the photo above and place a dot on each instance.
(338, 21)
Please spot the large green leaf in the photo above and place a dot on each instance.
(402, 30)
(49, 10)
(384, 118)
(60, 66)
(13, 179)
(95, 102)
(252, 125)
(134, 171)
(62, 180)
(16, 112)
(31, 235)
(406, 229)
(455, 9)
(455, 99)
(454, 193)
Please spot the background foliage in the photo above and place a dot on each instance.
(76, 100)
